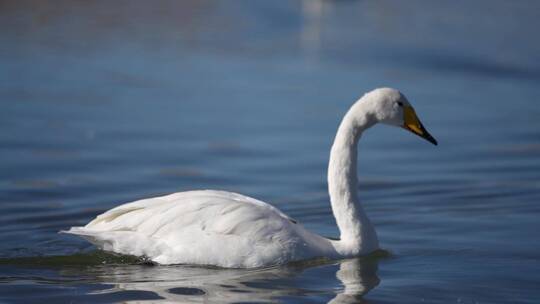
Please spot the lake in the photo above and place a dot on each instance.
(104, 103)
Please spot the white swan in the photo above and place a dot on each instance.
(231, 230)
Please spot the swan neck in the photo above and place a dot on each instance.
(357, 234)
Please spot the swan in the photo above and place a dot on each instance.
(230, 230)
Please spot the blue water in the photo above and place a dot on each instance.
(107, 102)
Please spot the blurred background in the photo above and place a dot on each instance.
(106, 102)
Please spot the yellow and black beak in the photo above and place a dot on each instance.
(413, 124)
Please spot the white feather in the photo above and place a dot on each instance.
(231, 230)
(203, 227)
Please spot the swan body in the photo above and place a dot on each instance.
(204, 227)
(209, 227)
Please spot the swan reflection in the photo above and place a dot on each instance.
(183, 284)
(358, 278)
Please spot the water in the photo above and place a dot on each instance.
(104, 103)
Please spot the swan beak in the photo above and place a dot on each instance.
(413, 124)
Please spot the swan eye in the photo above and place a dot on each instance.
(400, 103)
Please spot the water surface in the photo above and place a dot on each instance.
(104, 103)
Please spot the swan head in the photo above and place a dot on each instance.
(391, 107)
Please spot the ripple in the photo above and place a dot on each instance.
(187, 291)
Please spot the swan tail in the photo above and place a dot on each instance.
(123, 242)
(94, 237)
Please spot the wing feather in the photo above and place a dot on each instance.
(196, 227)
